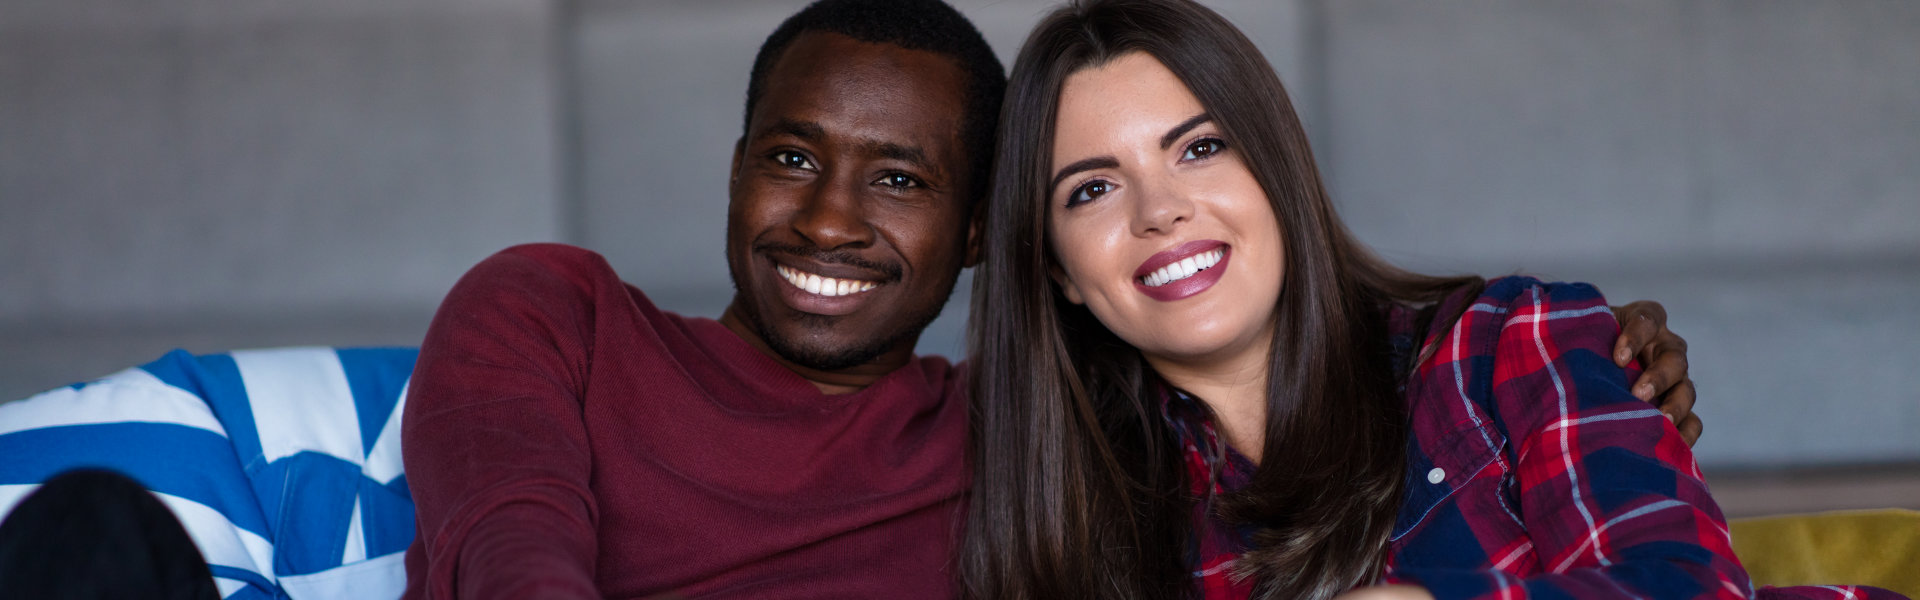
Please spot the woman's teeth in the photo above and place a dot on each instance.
(1185, 268)
(824, 286)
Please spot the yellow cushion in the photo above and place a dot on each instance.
(1860, 547)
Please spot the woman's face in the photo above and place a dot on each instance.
(1159, 227)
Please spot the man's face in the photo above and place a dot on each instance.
(848, 221)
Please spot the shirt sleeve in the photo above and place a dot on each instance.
(496, 450)
(1611, 498)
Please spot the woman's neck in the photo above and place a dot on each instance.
(1233, 386)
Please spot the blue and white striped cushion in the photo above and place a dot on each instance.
(283, 464)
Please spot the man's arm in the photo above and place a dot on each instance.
(1665, 384)
(496, 451)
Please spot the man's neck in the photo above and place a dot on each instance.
(839, 381)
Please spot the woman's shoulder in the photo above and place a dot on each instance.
(1536, 351)
(1501, 295)
(1523, 289)
(1514, 332)
(1482, 312)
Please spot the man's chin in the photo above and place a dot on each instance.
(824, 356)
(827, 342)
(809, 340)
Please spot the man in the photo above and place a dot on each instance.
(564, 438)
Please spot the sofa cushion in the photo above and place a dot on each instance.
(284, 464)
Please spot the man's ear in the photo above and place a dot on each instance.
(974, 224)
(733, 168)
(1067, 288)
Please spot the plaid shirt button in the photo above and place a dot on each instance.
(1437, 475)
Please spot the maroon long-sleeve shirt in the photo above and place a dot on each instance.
(566, 439)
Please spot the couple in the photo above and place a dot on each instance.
(1188, 378)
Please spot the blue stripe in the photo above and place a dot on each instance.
(216, 379)
(376, 376)
(312, 511)
(177, 368)
(171, 459)
(258, 586)
(254, 593)
(386, 517)
(399, 487)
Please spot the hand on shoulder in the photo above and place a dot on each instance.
(1398, 591)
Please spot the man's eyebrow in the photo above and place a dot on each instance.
(805, 130)
(1086, 164)
(1183, 128)
(912, 154)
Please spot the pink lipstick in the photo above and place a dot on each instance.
(1183, 271)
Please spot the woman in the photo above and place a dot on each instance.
(1190, 378)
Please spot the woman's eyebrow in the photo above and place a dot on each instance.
(1182, 129)
(1108, 162)
(1086, 164)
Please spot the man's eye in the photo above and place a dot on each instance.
(1087, 192)
(1203, 148)
(899, 180)
(792, 160)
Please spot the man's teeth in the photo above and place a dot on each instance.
(1185, 268)
(824, 286)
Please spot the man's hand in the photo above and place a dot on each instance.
(1664, 383)
(1398, 591)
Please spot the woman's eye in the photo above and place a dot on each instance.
(1088, 191)
(1203, 148)
(792, 160)
(899, 180)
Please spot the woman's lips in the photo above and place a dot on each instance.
(1186, 270)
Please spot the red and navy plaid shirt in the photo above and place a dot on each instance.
(1531, 469)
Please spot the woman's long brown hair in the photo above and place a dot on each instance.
(1079, 489)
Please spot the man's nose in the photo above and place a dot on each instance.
(833, 215)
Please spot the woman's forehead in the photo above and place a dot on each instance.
(1131, 99)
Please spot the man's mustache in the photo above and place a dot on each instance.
(890, 270)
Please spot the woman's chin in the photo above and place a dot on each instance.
(1198, 333)
(1199, 349)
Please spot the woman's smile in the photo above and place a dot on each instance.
(1183, 271)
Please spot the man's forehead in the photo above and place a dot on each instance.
(884, 95)
(826, 49)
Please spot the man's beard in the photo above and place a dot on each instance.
(832, 359)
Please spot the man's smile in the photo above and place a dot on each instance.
(826, 288)
(814, 283)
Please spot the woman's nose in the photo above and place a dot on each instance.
(1159, 207)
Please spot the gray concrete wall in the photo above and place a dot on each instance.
(223, 173)
(216, 174)
(1587, 133)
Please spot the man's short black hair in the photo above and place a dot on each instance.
(925, 25)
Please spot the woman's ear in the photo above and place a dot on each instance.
(1067, 288)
